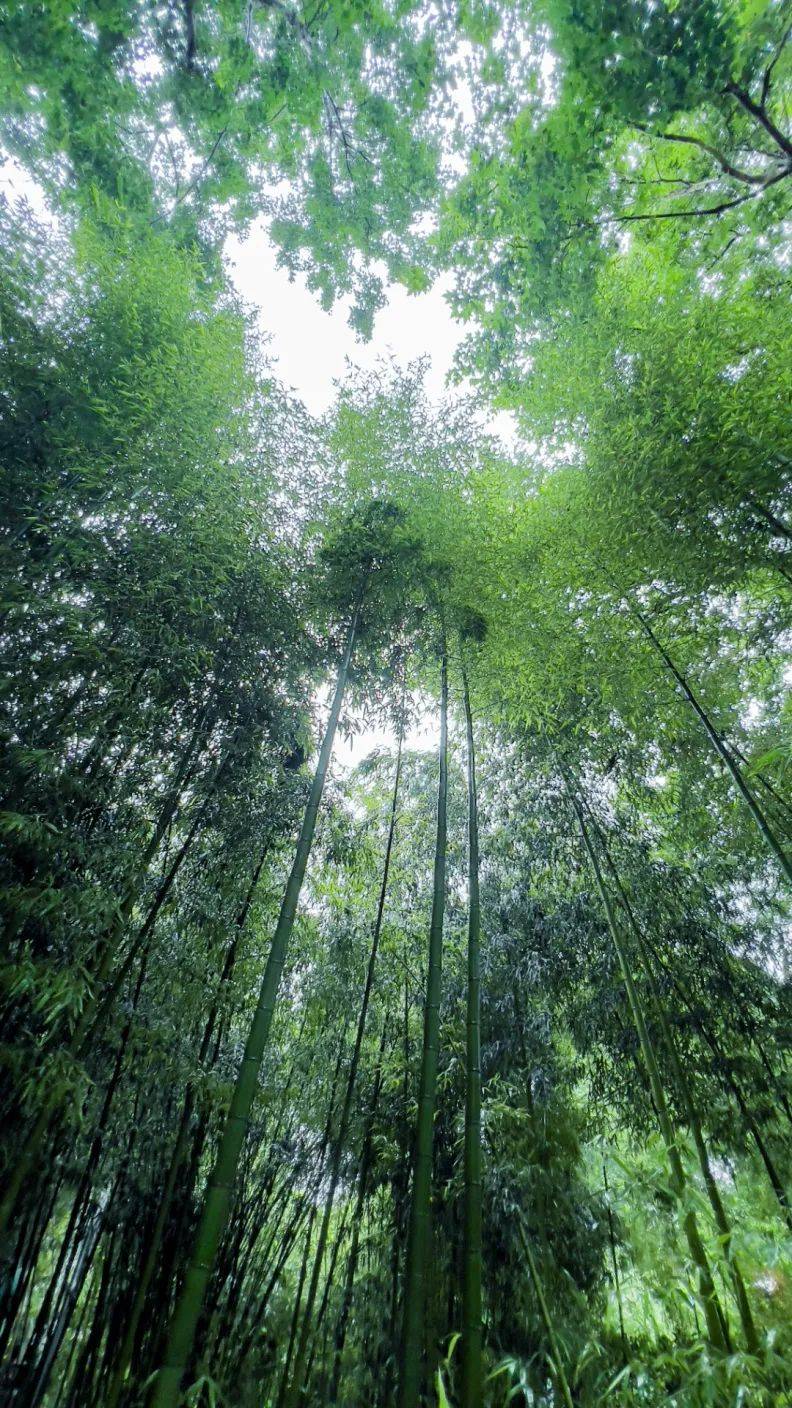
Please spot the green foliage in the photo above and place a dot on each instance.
(182, 555)
(207, 115)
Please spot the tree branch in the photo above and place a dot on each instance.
(725, 250)
(766, 81)
(194, 184)
(722, 161)
(706, 210)
(758, 112)
(291, 18)
(335, 120)
(189, 26)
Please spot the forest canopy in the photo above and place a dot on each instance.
(458, 1074)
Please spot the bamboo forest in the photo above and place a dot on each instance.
(396, 813)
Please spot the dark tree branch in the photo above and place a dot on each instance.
(336, 122)
(768, 77)
(759, 113)
(722, 161)
(704, 210)
(664, 181)
(290, 17)
(189, 26)
(194, 184)
(725, 250)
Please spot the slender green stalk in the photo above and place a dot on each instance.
(299, 1371)
(318, 1181)
(297, 1303)
(716, 1325)
(751, 1125)
(614, 1262)
(366, 1158)
(691, 1113)
(418, 1237)
(319, 1320)
(774, 1177)
(217, 1201)
(471, 1277)
(722, 748)
(151, 1257)
(724, 752)
(552, 1340)
(97, 1008)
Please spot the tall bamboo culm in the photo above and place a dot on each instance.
(418, 1239)
(471, 1277)
(217, 1201)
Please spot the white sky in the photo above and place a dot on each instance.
(311, 349)
(424, 736)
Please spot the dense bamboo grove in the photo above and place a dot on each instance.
(459, 1076)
